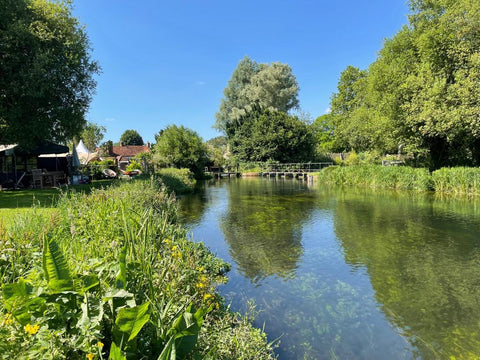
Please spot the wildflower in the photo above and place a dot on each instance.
(31, 330)
(167, 241)
(174, 247)
(90, 356)
(177, 255)
(100, 344)
(201, 269)
(8, 319)
(203, 283)
(208, 297)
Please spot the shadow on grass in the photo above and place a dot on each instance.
(45, 198)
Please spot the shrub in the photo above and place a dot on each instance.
(177, 180)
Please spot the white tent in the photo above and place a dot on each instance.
(84, 154)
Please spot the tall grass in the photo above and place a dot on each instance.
(110, 275)
(457, 180)
(401, 178)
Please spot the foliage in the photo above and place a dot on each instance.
(421, 94)
(324, 132)
(92, 134)
(457, 180)
(131, 137)
(217, 149)
(263, 135)
(47, 73)
(180, 147)
(179, 181)
(272, 86)
(377, 176)
(119, 280)
(134, 165)
(106, 148)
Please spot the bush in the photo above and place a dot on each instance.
(178, 181)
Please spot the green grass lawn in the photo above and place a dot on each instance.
(16, 202)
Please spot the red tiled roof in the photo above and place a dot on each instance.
(129, 150)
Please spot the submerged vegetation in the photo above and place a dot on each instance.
(110, 275)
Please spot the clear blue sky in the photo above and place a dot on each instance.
(167, 62)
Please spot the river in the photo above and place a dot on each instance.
(341, 273)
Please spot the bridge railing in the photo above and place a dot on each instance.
(297, 167)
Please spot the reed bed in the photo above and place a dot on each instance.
(383, 177)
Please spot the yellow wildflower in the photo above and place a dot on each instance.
(208, 297)
(203, 282)
(90, 356)
(174, 247)
(31, 330)
(201, 269)
(100, 344)
(8, 319)
(167, 241)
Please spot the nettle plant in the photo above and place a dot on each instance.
(54, 314)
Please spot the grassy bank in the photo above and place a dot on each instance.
(110, 275)
(458, 180)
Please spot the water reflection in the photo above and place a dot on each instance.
(371, 275)
(264, 232)
(423, 259)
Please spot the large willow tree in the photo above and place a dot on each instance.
(46, 72)
(422, 94)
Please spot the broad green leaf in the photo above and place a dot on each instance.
(116, 353)
(131, 320)
(55, 267)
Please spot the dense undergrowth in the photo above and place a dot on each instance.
(111, 276)
(458, 180)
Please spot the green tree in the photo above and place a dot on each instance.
(324, 132)
(217, 147)
(265, 134)
(47, 72)
(180, 147)
(92, 134)
(269, 85)
(131, 137)
(421, 95)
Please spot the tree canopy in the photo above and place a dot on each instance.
(92, 134)
(270, 85)
(266, 134)
(422, 94)
(180, 147)
(46, 81)
(131, 137)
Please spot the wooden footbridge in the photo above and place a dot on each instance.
(293, 170)
(287, 170)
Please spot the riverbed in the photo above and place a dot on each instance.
(342, 273)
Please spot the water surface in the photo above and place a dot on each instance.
(346, 273)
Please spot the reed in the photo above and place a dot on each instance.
(383, 177)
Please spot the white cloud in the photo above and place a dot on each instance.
(110, 120)
(328, 110)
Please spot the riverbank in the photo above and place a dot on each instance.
(111, 274)
(458, 181)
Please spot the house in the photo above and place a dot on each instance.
(123, 154)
